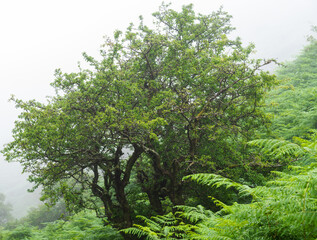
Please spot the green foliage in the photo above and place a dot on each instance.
(21, 232)
(284, 209)
(282, 152)
(162, 103)
(164, 119)
(5, 211)
(40, 216)
(160, 227)
(84, 225)
(309, 144)
(278, 148)
(293, 105)
(213, 180)
(277, 153)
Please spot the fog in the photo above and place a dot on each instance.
(39, 36)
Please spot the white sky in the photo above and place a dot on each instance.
(38, 36)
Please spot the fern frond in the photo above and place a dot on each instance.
(214, 180)
(194, 214)
(150, 223)
(278, 148)
(140, 232)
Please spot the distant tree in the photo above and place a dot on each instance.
(293, 104)
(40, 216)
(5, 210)
(163, 103)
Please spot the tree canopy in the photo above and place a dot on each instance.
(162, 103)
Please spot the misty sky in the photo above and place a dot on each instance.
(38, 36)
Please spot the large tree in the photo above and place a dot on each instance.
(162, 103)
